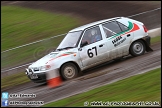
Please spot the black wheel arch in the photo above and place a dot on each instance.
(147, 44)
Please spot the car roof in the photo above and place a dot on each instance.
(92, 24)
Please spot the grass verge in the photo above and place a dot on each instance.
(155, 39)
(144, 87)
(21, 25)
(13, 80)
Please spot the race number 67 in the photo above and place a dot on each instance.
(90, 54)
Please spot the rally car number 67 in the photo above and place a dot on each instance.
(90, 45)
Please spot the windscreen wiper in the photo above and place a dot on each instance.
(64, 48)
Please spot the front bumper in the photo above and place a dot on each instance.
(41, 77)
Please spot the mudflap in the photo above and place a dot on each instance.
(148, 49)
(147, 40)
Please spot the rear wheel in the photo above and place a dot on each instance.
(69, 71)
(137, 48)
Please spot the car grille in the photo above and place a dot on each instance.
(36, 69)
(30, 70)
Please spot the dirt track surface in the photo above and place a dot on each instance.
(90, 11)
(101, 75)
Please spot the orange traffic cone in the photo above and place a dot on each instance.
(53, 79)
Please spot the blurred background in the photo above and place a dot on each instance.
(32, 29)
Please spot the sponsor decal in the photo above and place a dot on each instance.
(132, 27)
(65, 54)
(118, 41)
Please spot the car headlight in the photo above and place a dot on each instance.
(46, 67)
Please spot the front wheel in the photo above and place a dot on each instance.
(137, 48)
(69, 71)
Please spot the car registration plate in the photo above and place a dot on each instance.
(33, 76)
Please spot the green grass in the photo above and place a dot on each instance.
(155, 39)
(20, 26)
(29, 53)
(144, 87)
(13, 80)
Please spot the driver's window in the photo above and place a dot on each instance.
(92, 35)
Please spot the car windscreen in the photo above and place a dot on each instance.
(70, 40)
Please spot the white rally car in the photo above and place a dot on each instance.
(90, 45)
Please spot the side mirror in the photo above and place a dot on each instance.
(84, 44)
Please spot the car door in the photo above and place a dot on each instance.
(117, 40)
(94, 51)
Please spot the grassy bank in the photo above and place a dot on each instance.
(155, 39)
(20, 26)
(14, 79)
(144, 87)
